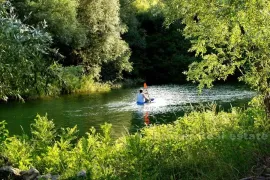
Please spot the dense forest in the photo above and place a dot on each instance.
(52, 47)
(55, 47)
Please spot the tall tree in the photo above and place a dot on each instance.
(24, 62)
(86, 32)
(101, 19)
(159, 54)
(60, 15)
(229, 35)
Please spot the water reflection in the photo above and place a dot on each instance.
(146, 118)
(119, 108)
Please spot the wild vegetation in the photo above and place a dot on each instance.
(201, 145)
(77, 41)
(230, 36)
(159, 54)
(54, 47)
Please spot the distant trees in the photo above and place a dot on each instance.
(71, 41)
(102, 22)
(82, 34)
(159, 54)
(86, 32)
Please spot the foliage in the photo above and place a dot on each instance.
(159, 55)
(43, 132)
(86, 32)
(23, 50)
(229, 36)
(18, 151)
(60, 16)
(145, 5)
(89, 85)
(73, 79)
(69, 77)
(200, 145)
(4, 133)
(103, 24)
(135, 36)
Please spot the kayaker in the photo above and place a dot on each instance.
(141, 98)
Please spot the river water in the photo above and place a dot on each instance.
(118, 107)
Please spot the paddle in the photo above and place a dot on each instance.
(145, 87)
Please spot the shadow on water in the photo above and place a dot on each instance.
(118, 107)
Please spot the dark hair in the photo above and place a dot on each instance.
(141, 91)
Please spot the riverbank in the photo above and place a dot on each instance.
(200, 145)
(82, 86)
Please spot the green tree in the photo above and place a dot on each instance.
(230, 36)
(24, 61)
(135, 35)
(158, 53)
(85, 32)
(102, 21)
(60, 15)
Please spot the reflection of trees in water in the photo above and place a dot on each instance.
(121, 122)
(137, 121)
(145, 117)
(117, 107)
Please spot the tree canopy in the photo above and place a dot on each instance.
(102, 22)
(101, 37)
(23, 49)
(229, 35)
(86, 32)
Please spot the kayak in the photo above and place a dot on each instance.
(142, 103)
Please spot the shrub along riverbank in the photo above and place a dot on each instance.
(200, 145)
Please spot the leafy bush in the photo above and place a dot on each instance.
(23, 57)
(73, 79)
(200, 145)
(3, 132)
(87, 84)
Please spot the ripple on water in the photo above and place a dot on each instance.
(175, 98)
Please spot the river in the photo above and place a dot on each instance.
(118, 107)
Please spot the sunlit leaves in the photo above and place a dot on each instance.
(3, 131)
(144, 5)
(101, 19)
(229, 35)
(61, 16)
(22, 51)
(43, 132)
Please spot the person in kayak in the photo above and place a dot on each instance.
(141, 98)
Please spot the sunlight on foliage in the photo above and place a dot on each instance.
(23, 47)
(201, 145)
(144, 5)
(230, 36)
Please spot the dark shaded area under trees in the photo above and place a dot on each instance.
(163, 55)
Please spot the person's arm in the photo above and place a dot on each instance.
(145, 93)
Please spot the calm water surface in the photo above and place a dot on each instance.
(118, 107)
